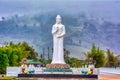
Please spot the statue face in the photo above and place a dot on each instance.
(58, 20)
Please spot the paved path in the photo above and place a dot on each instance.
(109, 77)
(109, 71)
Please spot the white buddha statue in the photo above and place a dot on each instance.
(58, 31)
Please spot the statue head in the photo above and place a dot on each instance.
(58, 19)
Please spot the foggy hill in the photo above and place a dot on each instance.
(86, 22)
(82, 32)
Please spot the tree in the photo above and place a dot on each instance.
(4, 62)
(73, 62)
(118, 60)
(11, 54)
(97, 55)
(111, 59)
(66, 53)
(32, 53)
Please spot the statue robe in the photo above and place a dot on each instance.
(58, 31)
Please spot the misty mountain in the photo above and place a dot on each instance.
(81, 32)
(86, 22)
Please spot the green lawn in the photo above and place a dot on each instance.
(13, 77)
(7, 77)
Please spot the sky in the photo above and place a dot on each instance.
(104, 8)
(108, 9)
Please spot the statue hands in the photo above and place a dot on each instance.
(59, 36)
(56, 29)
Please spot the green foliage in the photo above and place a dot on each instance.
(32, 53)
(11, 54)
(73, 62)
(111, 59)
(45, 61)
(97, 55)
(3, 63)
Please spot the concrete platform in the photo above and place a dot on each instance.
(57, 76)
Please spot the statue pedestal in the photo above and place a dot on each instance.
(57, 66)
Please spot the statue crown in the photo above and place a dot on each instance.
(58, 16)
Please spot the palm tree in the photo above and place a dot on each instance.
(66, 53)
(48, 53)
